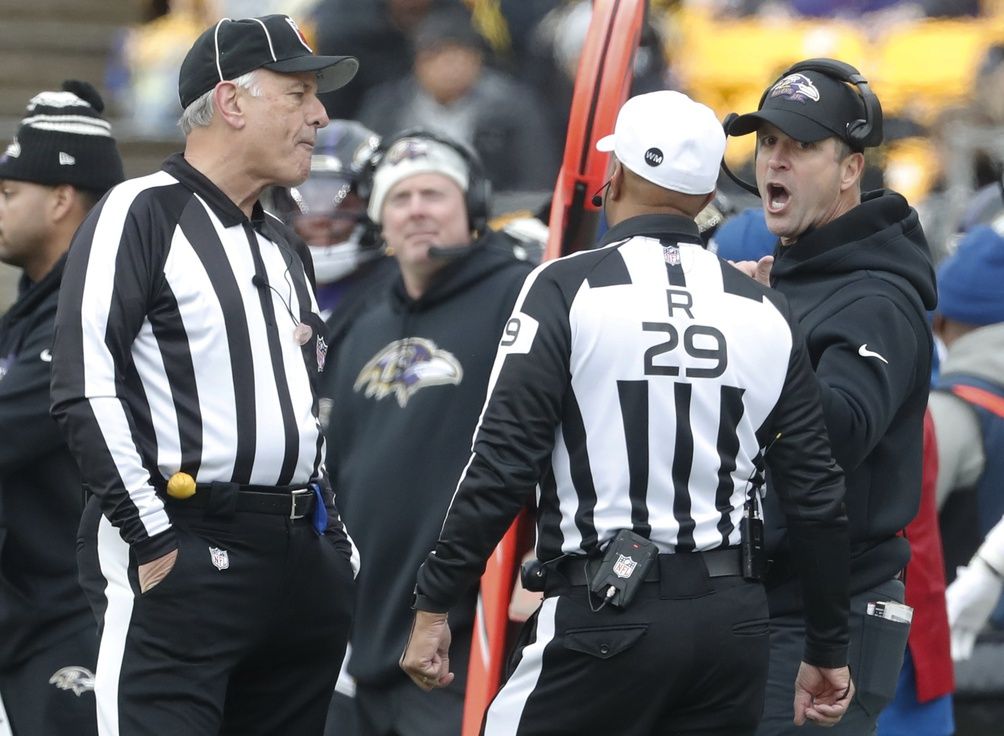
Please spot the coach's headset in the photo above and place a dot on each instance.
(860, 133)
(479, 188)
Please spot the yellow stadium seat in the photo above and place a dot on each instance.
(926, 65)
(732, 56)
(727, 60)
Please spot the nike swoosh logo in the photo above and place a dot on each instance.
(46, 356)
(864, 352)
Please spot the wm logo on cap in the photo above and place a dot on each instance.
(66, 159)
(653, 157)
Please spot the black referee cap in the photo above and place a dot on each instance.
(232, 48)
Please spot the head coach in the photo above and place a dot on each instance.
(856, 270)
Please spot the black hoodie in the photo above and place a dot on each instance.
(409, 382)
(861, 286)
(40, 486)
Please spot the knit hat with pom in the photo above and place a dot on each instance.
(64, 140)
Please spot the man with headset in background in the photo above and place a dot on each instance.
(407, 387)
(857, 271)
(633, 390)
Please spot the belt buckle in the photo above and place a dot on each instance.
(299, 493)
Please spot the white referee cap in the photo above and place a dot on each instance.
(670, 140)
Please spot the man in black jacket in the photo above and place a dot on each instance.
(857, 272)
(61, 162)
(408, 384)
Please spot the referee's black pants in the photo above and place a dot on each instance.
(247, 643)
(688, 657)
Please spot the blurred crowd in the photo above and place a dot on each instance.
(498, 75)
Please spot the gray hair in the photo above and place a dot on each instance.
(200, 113)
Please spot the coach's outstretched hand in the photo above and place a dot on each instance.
(426, 657)
(758, 270)
(822, 694)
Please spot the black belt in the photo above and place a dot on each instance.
(293, 502)
(720, 563)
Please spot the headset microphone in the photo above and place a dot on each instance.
(597, 199)
(751, 188)
(449, 252)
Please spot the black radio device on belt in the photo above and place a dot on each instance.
(622, 570)
(751, 542)
(533, 576)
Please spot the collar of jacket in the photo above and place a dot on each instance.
(676, 228)
(223, 207)
(877, 211)
(32, 293)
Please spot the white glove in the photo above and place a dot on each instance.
(971, 599)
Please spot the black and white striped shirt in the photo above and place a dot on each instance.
(174, 349)
(633, 388)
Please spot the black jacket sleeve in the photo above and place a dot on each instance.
(28, 432)
(810, 489)
(868, 361)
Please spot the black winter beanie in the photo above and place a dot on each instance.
(64, 140)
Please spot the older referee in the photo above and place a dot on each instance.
(187, 352)
(634, 388)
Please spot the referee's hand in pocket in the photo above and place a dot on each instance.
(152, 572)
(822, 694)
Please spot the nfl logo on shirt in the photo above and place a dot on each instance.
(220, 558)
(624, 567)
(672, 255)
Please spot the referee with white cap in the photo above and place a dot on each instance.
(637, 389)
(186, 359)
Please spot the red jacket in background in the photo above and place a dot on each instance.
(929, 640)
